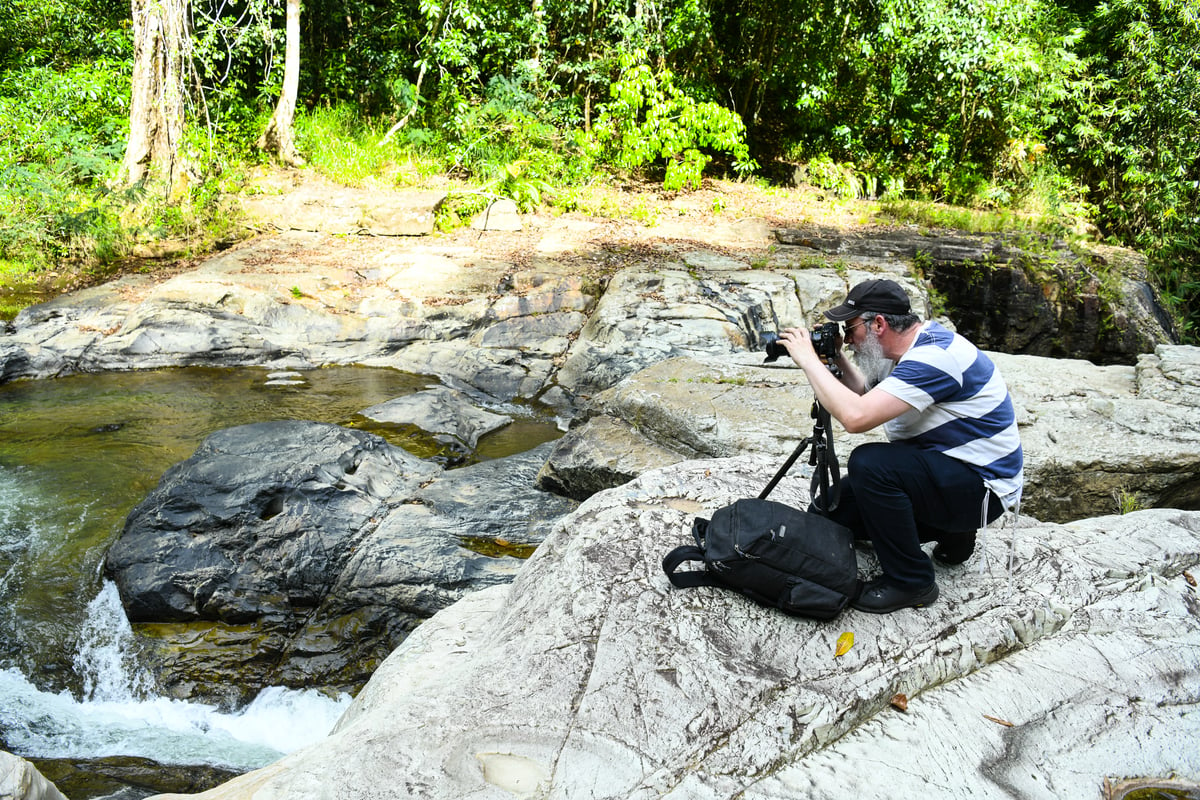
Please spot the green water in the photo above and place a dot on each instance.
(77, 453)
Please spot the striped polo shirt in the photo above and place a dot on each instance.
(961, 407)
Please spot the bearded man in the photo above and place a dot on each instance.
(953, 460)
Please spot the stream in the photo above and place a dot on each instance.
(76, 454)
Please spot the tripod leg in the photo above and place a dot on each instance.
(786, 466)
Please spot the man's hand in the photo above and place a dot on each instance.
(799, 345)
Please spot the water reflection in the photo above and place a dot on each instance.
(77, 453)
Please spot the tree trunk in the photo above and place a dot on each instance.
(162, 56)
(278, 138)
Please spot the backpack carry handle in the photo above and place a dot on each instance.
(688, 579)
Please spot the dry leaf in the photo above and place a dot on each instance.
(900, 701)
(998, 721)
(844, 643)
(1187, 576)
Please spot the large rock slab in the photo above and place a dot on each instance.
(1095, 438)
(590, 676)
(1023, 293)
(327, 208)
(296, 301)
(300, 554)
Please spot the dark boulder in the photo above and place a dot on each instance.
(301, 554)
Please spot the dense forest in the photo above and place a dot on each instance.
(1068, 112)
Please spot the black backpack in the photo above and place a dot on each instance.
(778, 556)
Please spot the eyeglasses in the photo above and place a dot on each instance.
(847, 328)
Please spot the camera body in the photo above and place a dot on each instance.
(824, 339)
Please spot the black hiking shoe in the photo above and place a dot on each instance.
(880, 597)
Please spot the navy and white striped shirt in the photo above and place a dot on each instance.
(961, 407)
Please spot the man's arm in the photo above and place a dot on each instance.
(856, 412)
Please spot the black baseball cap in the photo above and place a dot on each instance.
(879, 295)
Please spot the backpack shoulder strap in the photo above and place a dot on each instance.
(688, 578)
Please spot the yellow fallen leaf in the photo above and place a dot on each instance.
(844, 643)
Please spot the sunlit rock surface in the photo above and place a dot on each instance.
(590, 676)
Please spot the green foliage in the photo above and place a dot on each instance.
(844, 180)
(67, 130)
(342, 145)
(1034, 113)
(1136, 137)
(650, 120)
(1128, 501)
(972, 220)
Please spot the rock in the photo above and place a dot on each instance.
(255, 522)
(424, 308)
(128, 776)
(513, 327)
(647, 316)
(316, 206)
(1092, 436)
(497, 499)
(686, 408)
(443, 412)
(21, 780)
(590, 676)
(602, 453)
(300, 554)
(500, 215)
(1021, 293)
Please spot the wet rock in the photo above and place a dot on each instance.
(446, 414)
(300, 554)
(125, 776)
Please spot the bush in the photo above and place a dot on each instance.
(651, 121)
(67, 139)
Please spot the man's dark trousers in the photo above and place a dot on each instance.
(899, 496)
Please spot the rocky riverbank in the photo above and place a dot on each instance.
(587, 674)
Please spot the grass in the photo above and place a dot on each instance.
(972, 220)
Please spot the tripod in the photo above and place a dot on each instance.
(827, 476)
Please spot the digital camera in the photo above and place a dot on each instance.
(824, 338)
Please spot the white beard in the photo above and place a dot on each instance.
(870, 360)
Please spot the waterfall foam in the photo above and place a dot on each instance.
(120, 714)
